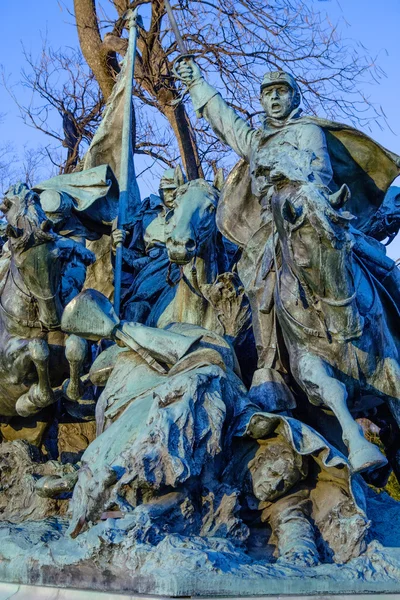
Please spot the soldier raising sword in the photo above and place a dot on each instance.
(337, 155)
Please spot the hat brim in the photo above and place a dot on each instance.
(271, 83)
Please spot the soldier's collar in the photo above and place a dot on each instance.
(270, 122)
(155, 202)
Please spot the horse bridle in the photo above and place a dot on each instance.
(196, 288)
(182, 277)
(310, 295)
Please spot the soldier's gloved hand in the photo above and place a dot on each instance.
(187, 70)
(117, 236)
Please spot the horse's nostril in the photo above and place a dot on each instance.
(175, 240)
(190, 245)
(171, 241)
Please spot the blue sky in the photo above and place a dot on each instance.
(374, 24)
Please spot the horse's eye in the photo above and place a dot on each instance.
(210, 208)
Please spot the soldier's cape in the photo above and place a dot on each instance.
(357, 160)
(94, 192)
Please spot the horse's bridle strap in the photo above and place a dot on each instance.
(23, 322)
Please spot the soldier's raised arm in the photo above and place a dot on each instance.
(225, 122)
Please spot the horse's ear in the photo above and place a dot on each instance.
(179, 176)
(339, 198)
(5, 205)
(219, 179)
(45, 225)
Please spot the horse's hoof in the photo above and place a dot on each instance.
(25, 407)
(367, 458)
(300, 557)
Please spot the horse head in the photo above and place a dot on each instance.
(35, 265)
(191, 222)
(316, 244)
(27, 224)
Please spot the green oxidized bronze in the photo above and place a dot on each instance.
(215, 436)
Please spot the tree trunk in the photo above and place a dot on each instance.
(165, 96)
(184, 134)
(102, 62)
(101, 54)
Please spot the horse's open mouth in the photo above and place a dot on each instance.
(181, 256)
(181, 260)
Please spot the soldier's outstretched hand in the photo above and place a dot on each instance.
(187, 70)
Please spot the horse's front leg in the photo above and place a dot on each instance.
(76, 350)
(41, 393)
(312, 373)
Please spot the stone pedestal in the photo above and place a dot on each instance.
(28, 592)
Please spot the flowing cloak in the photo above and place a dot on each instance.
(94, 192)
(357, 160)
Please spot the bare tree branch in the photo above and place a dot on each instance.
(234, 41)
(66, 102)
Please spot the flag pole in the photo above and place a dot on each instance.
(126, 153)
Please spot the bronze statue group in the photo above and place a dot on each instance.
(259, 322)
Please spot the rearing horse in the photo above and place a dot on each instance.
(339, 325)
(31, 305)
